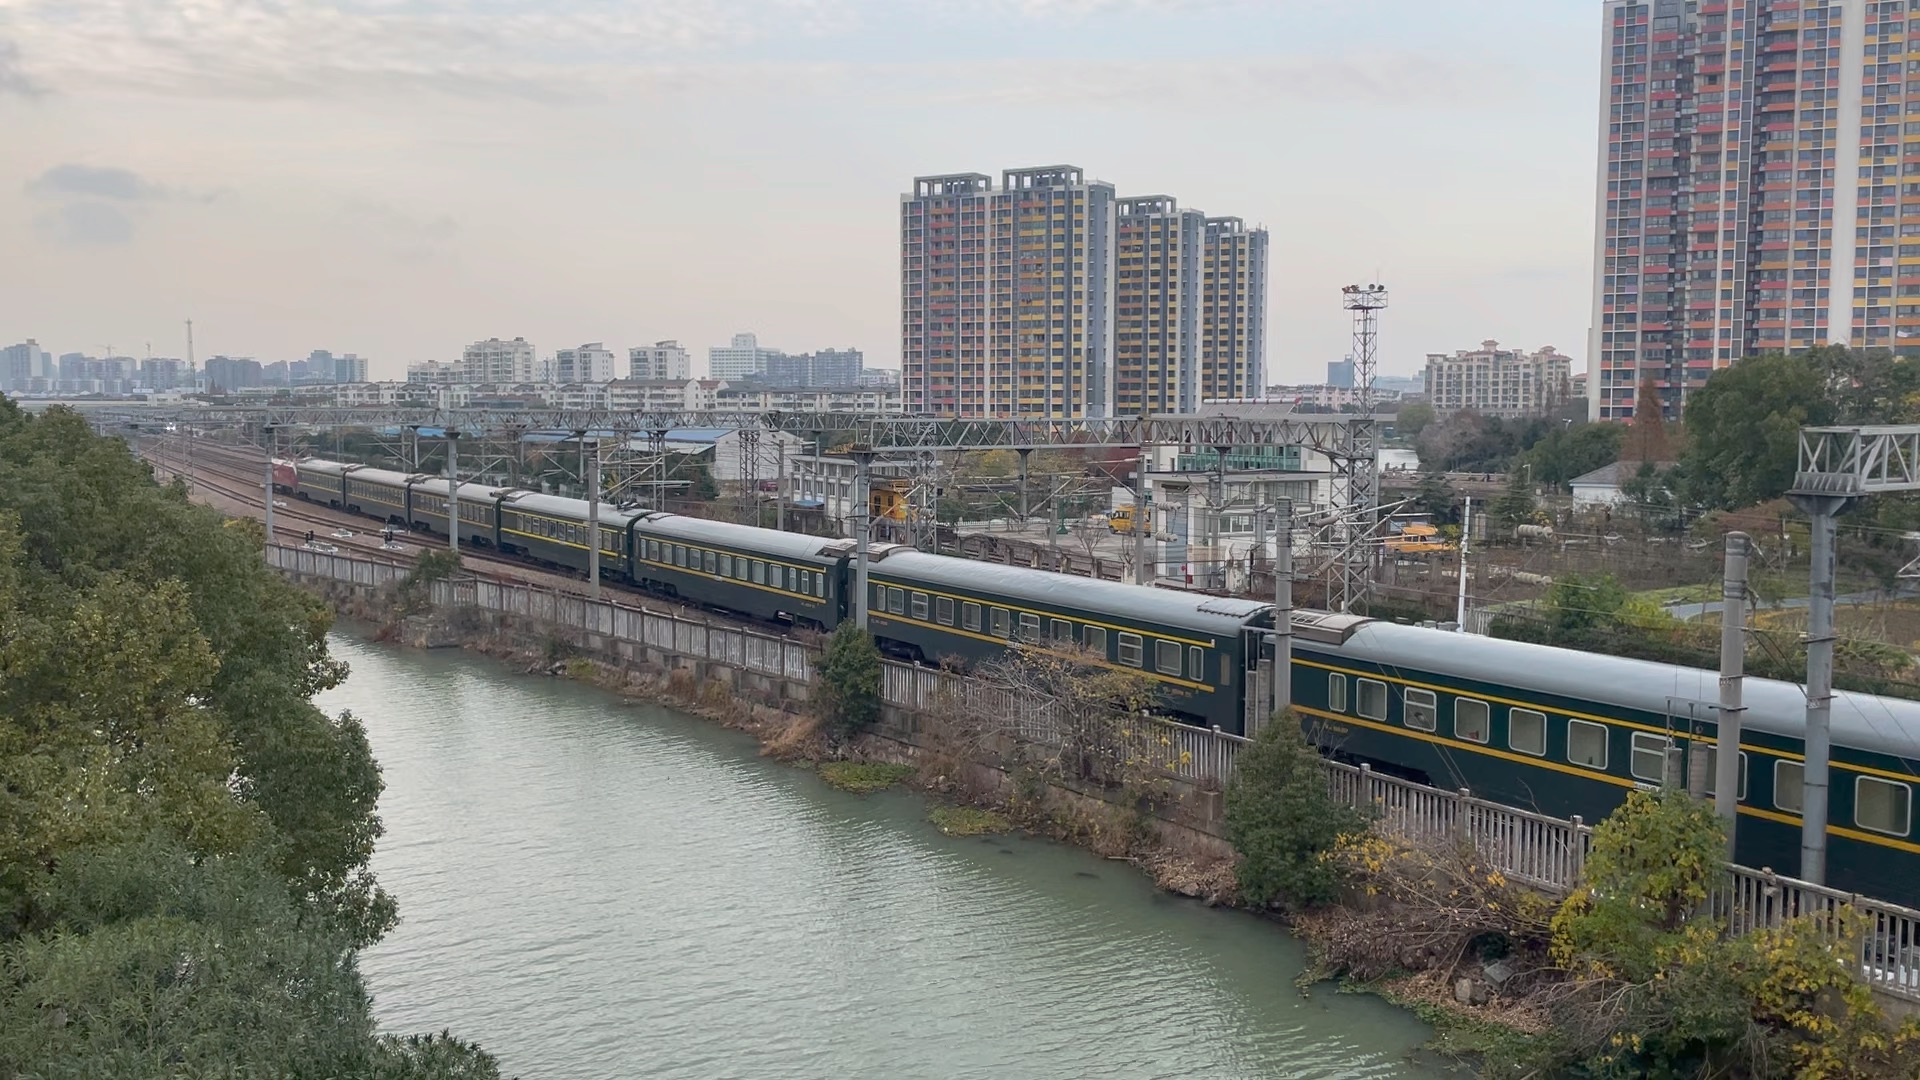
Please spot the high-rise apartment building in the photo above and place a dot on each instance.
(20, 365)
(230, 373)
(494, 362)
(1051, 296)
(590, 363)
(1340, 374)
(1007, 295)
(1759, 188)
(1156, 306)
(1499, 382)
(827, 367)
(1233, 310)
(737, 361)
(660, 360)
(164, 373)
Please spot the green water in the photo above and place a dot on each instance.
(596, 889)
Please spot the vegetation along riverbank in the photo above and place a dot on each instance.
(184, 837)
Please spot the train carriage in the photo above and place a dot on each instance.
(380, 493)
(479, 513)
(321, 481)
(554, 530)
(1194, 647)
(1570, 733)
(761, 573)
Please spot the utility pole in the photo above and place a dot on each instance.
(780, 483)
(453, 493)
(1466, 530)
(862, 482)
(1733, 658)
(1142, 512)
(593, 523)
(191, 370)
(1282, 607)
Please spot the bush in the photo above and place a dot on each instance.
(1283, 822)
(848, 698)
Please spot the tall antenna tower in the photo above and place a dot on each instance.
(1357, 474)
(191, 370)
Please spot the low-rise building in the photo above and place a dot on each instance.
(855, 399)
(663, 395)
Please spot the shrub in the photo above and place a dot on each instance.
(1284, 822)
(849, 687)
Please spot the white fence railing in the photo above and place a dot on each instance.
(1545, 852)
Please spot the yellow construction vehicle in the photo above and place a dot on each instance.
(1120, 520)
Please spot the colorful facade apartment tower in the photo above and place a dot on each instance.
(1158, 260)
(1759, 187)
(1233, 311)
(1007, 294)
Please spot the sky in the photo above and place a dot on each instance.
(398, 178)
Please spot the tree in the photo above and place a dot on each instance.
(1282, 820)
(1743, 427)
(1576, 604)
(1647, 438)
(1433, 496)
(1572, 451)
(1516, 504)
(1412, 419)
(849, 684)
(185, 842)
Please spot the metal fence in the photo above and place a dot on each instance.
(1544, 852)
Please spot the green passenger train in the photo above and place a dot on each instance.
(1546, 729)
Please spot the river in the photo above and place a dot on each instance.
(591, 888)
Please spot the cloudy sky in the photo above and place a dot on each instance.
(399, 177)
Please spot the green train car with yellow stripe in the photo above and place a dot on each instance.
(1566, 733)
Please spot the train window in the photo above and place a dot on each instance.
(709, 561)
(920, 606)
(1337, 693)
(1420, 710)
(726, 566)
(1130, 649)
(1029, 627)
(1372, 702)
(970, 615)
(1527, 731)
(653, 550)
(1166, 657)
(1470, 720)
(896, 601)
(1095, 640)
(1649, 761)
(879, 597)
(679, 555)
(1000, 623)
(1787, 776)
(943, 610)
(1196, 663)
(1882, 805)
(743, 568)
(1062, 632)
(1587, 744)
(1713, 770)
(759, 572)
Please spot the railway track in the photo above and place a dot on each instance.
(238, 476)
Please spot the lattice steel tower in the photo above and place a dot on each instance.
(1356, 493)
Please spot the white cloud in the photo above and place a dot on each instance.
(85, 224)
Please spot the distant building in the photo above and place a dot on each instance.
(660, 360)
(663, 395)
(230, 373)
(742, 358)
(1340, 373)
(590, 363)
(164, 373)
(877, 377)
(351, 368)
(495, 361)
(864, 400)
(827, 367)
(1156, 307)
(433, 373)
(1319, 396)
(1499, 382)
(21, 364)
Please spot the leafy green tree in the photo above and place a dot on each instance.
(1412, 419)
(849, 683)
(1516, 504)
(1652, 864)
(1575, 604)
(1282, 820)
(1433, 496)
(1572, 451)
(1743, 427)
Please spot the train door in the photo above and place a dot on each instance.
(1689, 724)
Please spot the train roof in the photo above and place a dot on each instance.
(469, 491)
(1863, 721)
(1192, 611)
(380, 476)
(562, 506)
(770, 541)
(322, 467)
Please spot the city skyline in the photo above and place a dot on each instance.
(371, 182)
